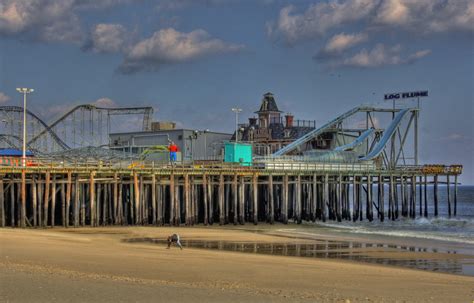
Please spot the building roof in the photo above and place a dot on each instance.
(10, 152)
(268, 104)
(165, 131)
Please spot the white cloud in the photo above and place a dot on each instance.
(3, 98)
(47, 20)
(340, 43)
(108, 38)
(419, 16)
(170, 46)
(426, 16)
(172, 5)
(105, 102)
(318, 19)
(379, 56)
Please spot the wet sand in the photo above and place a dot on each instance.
(110, 265)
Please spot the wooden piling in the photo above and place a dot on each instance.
(53, 203)
(205, 199)
(98, 200)
(83, 204)
(420, 188)
(12, 202)
(359, 199)
(370, 209)
(314, 200)
(284, 208)
(271, 202)
(325, 197)
(339, 198)
(255, 198)
(298, 199)
(448, 192)
(242, 200)
(413, 196)
(77, 201)
(172, 200)
(235, 199)
(391, 199)
(210, 195)
(63, 200)
(23, 199)
(435, 192)
(425, 196)
(34, 196)
(455, 198)
(136, 199)
(187, 206)
(2, 205)
(120, 209)
(92, 199)
(221, 200)
(403, 196)
(355, 207)
(68, 197)
(46, 198)
(153, 200)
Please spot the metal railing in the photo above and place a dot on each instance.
(284, 163)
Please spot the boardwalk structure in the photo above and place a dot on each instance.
(73, 196)
(366, 172)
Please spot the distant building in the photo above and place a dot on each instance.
(196, 145)
(269, 131)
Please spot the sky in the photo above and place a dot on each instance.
(193, 60)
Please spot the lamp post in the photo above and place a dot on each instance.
(236, 111)
(24, 91)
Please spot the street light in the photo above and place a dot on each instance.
(24, 91)
(236, 111)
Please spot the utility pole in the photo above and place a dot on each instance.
(236, 111)
(24, 91)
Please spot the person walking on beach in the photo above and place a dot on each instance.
(173, 149)
(174, 238)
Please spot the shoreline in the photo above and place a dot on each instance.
(109, 269)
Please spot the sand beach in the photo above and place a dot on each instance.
(132, 264)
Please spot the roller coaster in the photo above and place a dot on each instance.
(82, 126)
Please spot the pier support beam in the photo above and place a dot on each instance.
(271, 202)
(221, 200)
(435, 193)
(255, 198)
(284, 208)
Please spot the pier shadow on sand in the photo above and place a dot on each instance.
(376, 253)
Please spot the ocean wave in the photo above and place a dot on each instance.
(441, 228)
(465, 238)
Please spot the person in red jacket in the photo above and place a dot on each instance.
(173, 149)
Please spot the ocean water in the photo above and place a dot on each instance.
(459, 228)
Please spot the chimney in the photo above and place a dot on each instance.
(289, 120)
(252, 121)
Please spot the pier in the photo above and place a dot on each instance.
(73, 195)
(357, 166)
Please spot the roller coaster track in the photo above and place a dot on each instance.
(8, 140)
(47, 129)
(146, 111)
